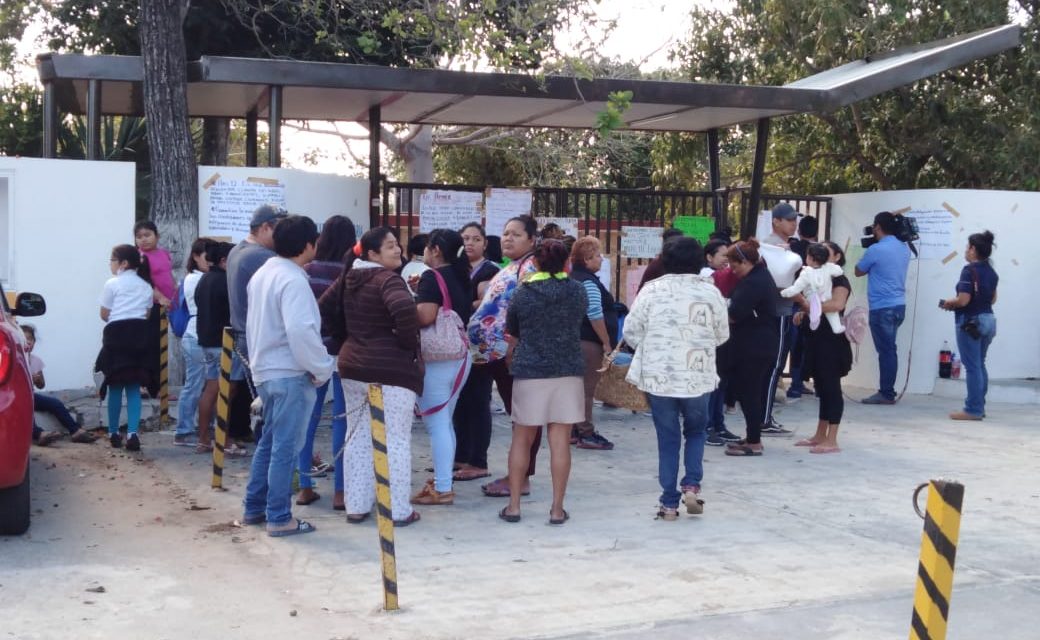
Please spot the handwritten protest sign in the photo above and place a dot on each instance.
(502, 204)
(232, 203)
(641, 242)
(569, 225)
(448, 209)
(935, 227)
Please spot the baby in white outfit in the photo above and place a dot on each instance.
(814, 282)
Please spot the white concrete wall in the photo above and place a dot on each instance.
(316, 195)
(1014, 218)
(65, 216)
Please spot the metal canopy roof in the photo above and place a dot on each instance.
(233, 87)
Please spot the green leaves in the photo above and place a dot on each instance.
(610, 118)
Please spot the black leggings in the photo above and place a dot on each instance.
(748, 377)
(479, 412)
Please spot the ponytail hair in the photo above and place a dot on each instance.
(983, 243)
(134, 260)
(451, 246)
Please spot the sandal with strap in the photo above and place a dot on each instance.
(667, 513)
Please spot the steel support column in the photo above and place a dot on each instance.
(94, 120)
(274, 135)
(375, 125)
(251, 139)
(747, 225)
(715, 179)
(50, 121)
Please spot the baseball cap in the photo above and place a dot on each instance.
(267, 213)
(785, 212)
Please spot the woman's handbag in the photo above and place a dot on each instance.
(445, 339)
(614, 390)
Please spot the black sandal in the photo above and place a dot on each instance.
(515, 517)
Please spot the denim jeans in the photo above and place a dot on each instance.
(55, 407)
(797, 341)
(884, 323)
(438, 386)
(287, 407)
(194, 379)
(666, 412)
(339, 433)
(973, 357)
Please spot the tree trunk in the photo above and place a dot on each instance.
(417, 154)
(174, 206)
(215, 133)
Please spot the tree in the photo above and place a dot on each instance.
(174, 203)
(969, 127)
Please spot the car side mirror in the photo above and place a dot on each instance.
(28, 305)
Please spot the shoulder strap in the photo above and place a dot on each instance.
(445, 298)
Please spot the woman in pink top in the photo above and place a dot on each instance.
(146, 237)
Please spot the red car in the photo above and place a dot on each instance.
(16, 413)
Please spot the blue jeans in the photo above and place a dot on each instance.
(666, 412)
(437, 389)
(55, 407)
(194, 380)
(797, 354)
(716, 408)
(884, 323)
(973, 357)
(287, 407)
(339, 433)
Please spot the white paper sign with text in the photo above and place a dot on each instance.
(501, 204)
(936, 229)
(641, 242)
(232, 203)
(449, 209)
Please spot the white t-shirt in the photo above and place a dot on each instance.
(127, 297)
(191, 281)
(415, 267)
(35, 365)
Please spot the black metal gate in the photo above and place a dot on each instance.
(602, 212)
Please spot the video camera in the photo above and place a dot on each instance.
(907, 232)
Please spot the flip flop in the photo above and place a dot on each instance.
(314, 497)
(822, 449)
(565, 518)
(464, 475)
(415, 517)
(515, 517)
(808, 442)
(250, 520)
(235, 451)
(357, 518)
(302, 526)
(499, 489)
(743, 451)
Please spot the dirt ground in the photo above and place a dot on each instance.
(791, 545)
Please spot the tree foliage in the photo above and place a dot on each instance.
(977, 126)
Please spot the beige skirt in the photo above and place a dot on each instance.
(541, 401)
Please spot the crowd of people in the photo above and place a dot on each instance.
(441, 328)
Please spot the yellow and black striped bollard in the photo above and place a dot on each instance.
(227, 345)
(384, 513)
(164, 368)
(942, 524)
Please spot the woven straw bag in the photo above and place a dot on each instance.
(614, 390)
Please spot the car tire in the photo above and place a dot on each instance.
(14, 508)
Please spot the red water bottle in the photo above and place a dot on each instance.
(945, 360)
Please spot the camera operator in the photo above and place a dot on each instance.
(885, 262)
